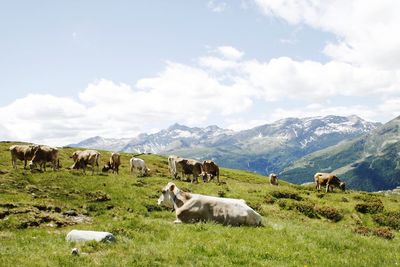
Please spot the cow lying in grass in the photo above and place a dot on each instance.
(194, 208)
(329, 180)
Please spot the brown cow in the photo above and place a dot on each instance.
(210, 170)
(44, 154)
(273, 179)
(113, 163)
(84, 158)
(329, 180)
(21, 152)
(189, 167)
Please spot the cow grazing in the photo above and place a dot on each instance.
(210, 170)
(21, 152)
(44, 154)
(194, 208)
(273, 179)
(113, 163)
(139, 164)
(189, 167)
(329, 180)
(172, 166)
(84, 158)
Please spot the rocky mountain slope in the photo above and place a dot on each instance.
(263, 149)
(370, 162)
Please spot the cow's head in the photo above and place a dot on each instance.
(74, 156)
(342, 186)
(167, 195)
(106, 167)
(204, 175)
(146, 171)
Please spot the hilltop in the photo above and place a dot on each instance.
(301, 226)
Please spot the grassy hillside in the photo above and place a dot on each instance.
(301, 227)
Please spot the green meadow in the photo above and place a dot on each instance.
(301, 227)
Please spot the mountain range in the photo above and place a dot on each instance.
(365, 154)
(370, 162)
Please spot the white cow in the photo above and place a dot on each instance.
(172, 166)
(194, 208)
(140, 165)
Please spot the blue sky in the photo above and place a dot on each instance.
(74, 69)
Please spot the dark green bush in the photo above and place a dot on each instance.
(283, 203)
(286, 194)
(269, 200)
(390, 219)
(305, 208)
(329, 213)
(372, 207)
(380, 232)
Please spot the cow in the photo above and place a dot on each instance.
(194, 208)
(84, 158)
(44, 154)
(210, 170)
(189, 167)
(329, 180)
(113, 163)
(172, 166)
(273, 179)
(139, 164)
(21, 152)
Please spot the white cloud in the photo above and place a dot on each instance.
(217, 6)
(214, 89)
(367, 31)
(230, 52)
(217, 64)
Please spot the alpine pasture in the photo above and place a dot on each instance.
(301, 227)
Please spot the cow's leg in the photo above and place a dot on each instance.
(25, 161)
(327, 187)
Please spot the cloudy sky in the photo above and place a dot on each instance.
(76, 69)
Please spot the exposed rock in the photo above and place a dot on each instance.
(80, 235)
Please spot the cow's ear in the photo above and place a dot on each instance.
(172, 187)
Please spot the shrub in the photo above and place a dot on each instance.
(329, 213)
(269, 200)
(390, 219)
(375, 206)
(305, 208)
(380, 232)
(283, 203)
(286, 194)
(98, 196)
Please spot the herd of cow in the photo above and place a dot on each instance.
(188, 207)
(39, 155)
